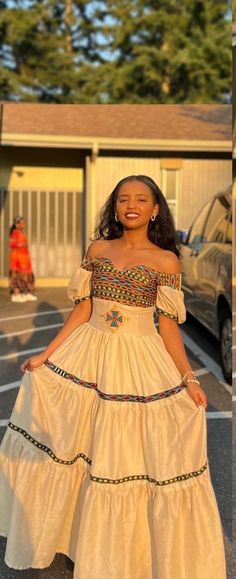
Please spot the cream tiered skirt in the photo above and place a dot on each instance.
(105, 460)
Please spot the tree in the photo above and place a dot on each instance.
(45, 45)
(124, 51)
(168, 51)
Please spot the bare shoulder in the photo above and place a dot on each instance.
(96, 247)
(168, 261)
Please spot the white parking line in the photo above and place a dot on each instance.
(22, 353)
(212, 366)
(35, 314)
(201, 371)
(30, 330)
(9, 386)
(226, 386)
(219, 414)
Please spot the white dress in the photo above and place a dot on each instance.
(105, 455)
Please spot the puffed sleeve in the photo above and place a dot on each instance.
(170, 297)
(79, 287)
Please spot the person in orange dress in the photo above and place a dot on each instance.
(21, 276)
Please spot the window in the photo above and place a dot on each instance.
(170, 186)
(218, 221)
(229, 231)
(195, 235)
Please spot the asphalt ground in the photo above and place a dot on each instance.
(32, 325)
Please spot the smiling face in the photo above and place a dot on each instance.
(135, 204)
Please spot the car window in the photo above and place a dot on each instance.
(195, 234)
(217, 222)
(228, 236)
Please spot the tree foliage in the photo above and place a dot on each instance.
(126, 51)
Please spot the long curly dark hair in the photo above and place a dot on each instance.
(161, 231)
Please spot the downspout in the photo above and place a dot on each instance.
(93, 185)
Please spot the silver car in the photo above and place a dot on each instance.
(206, 253)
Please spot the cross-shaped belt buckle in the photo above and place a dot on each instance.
(114, 319)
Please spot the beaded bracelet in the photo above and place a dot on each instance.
(189, 372)
(190, 380)
(196, 381)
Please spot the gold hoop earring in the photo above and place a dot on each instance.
(116, 217)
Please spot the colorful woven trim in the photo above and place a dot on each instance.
(87, 263)
(135, 286)
(79, 300)
(168, 481)
(170, 279)
(116, 397)
(167, 314)
(103, 480)
(46, 449)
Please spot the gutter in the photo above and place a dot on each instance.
(115, 144)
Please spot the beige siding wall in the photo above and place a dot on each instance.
(199, 180)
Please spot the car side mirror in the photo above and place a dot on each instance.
(182, 235)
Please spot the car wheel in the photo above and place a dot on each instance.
(226, 344)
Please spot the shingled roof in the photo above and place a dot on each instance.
(191, 122)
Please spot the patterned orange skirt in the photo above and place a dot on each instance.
(21, 276)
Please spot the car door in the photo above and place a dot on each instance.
(190, 264)
(212, 260)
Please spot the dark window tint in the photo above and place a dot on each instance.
(229, 230)
(195, 235)
(217, 222)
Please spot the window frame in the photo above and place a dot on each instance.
(171, 202)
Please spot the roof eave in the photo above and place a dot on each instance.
(114, 143)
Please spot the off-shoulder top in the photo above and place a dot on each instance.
(139, 285)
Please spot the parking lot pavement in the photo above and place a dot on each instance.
(29, 327)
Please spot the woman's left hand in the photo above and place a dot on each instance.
(197, 394)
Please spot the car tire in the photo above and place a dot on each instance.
(225, 344)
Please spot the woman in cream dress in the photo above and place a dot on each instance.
(105, 455)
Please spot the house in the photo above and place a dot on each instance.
(59, 163)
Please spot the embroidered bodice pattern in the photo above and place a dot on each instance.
(136, 285)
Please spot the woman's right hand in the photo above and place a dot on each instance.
(33, 362)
